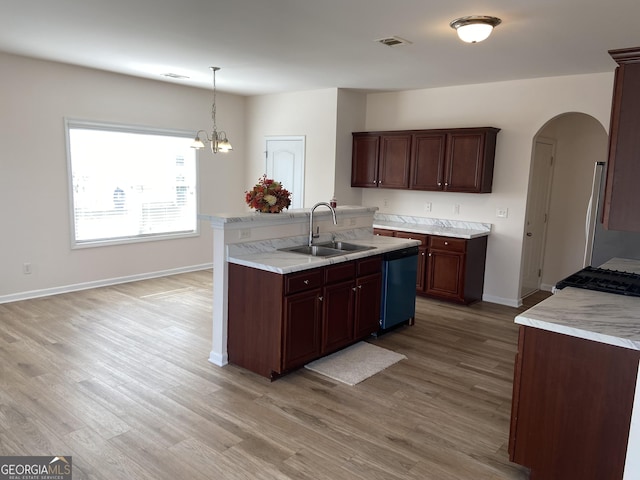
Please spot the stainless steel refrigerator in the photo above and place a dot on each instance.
(603, 244)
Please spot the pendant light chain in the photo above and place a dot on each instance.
(213, 106)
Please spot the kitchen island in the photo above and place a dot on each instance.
(575, 411)
(253, 240)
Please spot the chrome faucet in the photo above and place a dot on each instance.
(317, 234)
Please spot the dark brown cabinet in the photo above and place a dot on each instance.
(380, 160)
(280, 322)
(455, 268)
(427, 168)
(301, 328)
(368, 292)
(623, 171)
(448, 268)
(571, 406)
(455, 160)
(338, 306)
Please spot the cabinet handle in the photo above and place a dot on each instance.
(446, 184)
(359, 287)
(354, 289)
(320, 299)
(446, 243)
(306, 282)
(423, 254)
(439, 184)
(429, 254)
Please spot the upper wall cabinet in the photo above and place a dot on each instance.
(455, 160)
(381, 160)
(621, 197)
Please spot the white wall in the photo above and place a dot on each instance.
(351, 118)
(520, 108)
(310, 113)
(36, 96)
(581, 141)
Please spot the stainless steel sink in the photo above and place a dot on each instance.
(328, 249)
(345, 246)
(314, 250)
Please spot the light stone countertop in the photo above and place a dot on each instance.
(431, 226)
(602, 317)
(264, 255)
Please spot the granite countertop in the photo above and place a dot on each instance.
(264, 255)
(602, 317)
(430, 226)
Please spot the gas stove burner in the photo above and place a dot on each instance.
(602, 280)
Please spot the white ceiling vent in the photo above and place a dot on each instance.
(173, 75)
(393, 41)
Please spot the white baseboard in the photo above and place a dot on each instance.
(547, 288)
(218, 359)
(509, 302)
(45, 292)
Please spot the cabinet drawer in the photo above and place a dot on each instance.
(449, 244)
(341, 271)
(414, 236)
(299, 282)
(383, 232)
(369, 265)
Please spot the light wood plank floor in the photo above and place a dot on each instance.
(118, 378)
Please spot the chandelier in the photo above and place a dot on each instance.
(218, 139)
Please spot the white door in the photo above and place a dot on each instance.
(285, 163)
(537, 215)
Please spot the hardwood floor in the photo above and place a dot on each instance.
(118, 378)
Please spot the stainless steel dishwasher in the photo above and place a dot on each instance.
(399, 272)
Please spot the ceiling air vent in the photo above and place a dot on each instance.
(173, 75)
(393, 41)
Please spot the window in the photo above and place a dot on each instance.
(130, 183)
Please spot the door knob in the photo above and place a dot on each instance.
(529, 234)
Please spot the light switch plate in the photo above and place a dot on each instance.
(502, 212)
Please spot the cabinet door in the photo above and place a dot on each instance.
(337, 316)
(393, 167)
(367, 311)
(464, 162)
(427, 171)
(445, 275)
(623, 172)
(301, 328)
(364, 161)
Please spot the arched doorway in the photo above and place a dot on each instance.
(579, 141)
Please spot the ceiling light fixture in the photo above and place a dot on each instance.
(475, 28)
(218, 140)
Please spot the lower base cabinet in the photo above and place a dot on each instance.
(448, 268)
(571, 406)
(281, 322)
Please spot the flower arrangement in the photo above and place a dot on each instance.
(268, 196)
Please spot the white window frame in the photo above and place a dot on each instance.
(71, 123)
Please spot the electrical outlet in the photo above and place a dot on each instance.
(427, 207)
(502, 212)
(385, 202)
(456, 209)
(242, 234)
(26, 268)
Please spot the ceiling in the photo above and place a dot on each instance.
(270, 46)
